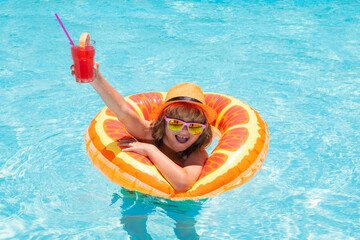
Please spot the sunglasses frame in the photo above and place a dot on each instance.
(184, 124)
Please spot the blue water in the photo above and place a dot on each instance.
(296, 62)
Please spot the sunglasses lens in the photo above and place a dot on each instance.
(175, 125)
(195, 129)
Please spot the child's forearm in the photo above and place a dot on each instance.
(136, 126)
(177, 176)
(113, 100)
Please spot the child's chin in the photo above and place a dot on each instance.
(181, 147)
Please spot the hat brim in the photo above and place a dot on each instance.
(210, 113)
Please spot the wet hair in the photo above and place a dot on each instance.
(183, 111)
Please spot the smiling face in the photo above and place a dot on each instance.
(179, 140)
(182, 140)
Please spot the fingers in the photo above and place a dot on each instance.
(127, 149)
(72, 70)
(96, 69)
(126, 146)
(137, 147)
(126, 140)
(127, 143)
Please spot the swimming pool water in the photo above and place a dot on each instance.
(295, 62)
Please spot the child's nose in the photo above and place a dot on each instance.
(184, 129)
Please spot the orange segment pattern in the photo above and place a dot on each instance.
(217, 102)
(115, 130)
(234, 116)
(233, 139)
(147, 102)
(214, 162)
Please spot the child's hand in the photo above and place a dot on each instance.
(134, 146)
(96, 70)
(72, 70)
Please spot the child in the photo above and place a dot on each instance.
(175, 140)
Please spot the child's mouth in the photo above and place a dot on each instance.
(181, 139)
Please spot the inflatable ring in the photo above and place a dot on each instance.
(238, 156)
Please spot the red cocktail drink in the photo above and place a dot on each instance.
(83, 57)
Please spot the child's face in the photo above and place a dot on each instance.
(180, 140)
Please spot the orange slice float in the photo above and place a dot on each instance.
(239, 155)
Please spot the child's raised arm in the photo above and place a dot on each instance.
(136, 126)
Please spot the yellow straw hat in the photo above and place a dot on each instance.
(189, 93)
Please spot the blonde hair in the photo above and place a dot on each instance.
(183, 110)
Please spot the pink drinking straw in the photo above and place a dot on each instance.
(64, 29)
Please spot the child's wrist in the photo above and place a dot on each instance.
(151, 150)
(97, 77)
